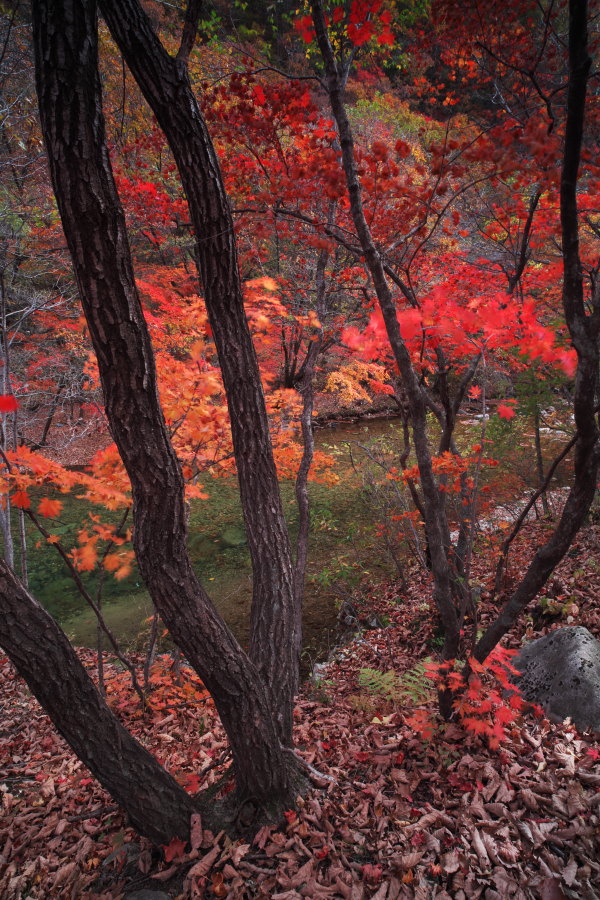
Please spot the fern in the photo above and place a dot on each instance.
(415, 685)
(412, 687)
(383, 684)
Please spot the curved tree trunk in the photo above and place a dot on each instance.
(436, 523)
(65, 37)
(584, 329)
(275, 624)
(156, 805)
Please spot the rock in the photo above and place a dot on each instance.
(348, 617)
(561, 672)
(147, 895)
(319, 671)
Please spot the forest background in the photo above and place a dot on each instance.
(402, 211)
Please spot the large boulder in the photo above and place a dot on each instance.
(561, 672)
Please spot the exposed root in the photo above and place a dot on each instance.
(314, 774)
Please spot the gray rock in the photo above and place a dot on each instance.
(561, 672)
(147, 895)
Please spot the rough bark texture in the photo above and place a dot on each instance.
(156, 805)
(65, 38)
(583, 328)
(275, 616)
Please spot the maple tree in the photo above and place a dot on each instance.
(380, 215)
(448, 560)
(260, 691)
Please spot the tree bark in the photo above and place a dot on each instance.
(583, 328)
(275, 622)
(156, 805)
(436, 524)
(65, 38)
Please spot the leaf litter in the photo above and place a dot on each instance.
(399, 818)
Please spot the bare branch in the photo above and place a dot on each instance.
(190, 29)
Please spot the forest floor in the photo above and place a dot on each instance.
(402, 817)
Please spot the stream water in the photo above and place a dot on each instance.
(344, 548)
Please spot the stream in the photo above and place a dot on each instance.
(344, 549)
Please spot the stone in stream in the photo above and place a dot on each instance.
(561, 673)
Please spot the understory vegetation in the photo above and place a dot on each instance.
(299, 445)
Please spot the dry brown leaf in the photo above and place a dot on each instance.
(569, 872)
(529, 799)
(196, 831)
(382, 892)
(238, 852)
(509, 852)
(166, 874)
(303, 873)
(480, 850)
(145, 862)
(550, 889)
(65, 873)
(203, 867)
(450, 862)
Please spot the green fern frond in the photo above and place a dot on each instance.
(383, 684)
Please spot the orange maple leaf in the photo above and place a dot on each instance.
(85, 557)
(50, 508)
(21, 499)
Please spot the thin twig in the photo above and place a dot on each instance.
(94, 814)
(94, 606)
(525, 511)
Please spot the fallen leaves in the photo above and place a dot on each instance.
(402, 819)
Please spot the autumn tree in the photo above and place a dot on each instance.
(354, 26)
(253, 693)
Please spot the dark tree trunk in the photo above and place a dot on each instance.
(156, 805)
(539, 457)
(436, 524)
(275, 616)
(583, 328)
(306, 388)
(65, 37)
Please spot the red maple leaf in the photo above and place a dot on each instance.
(174, 849)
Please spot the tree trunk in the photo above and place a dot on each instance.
(275, 617)
(436, 524)
(539, 458)
(156, 805)
(306, 388)
(65, 37)
(583, 328)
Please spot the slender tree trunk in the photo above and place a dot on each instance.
(6, 528)
(156, 805)
(65, 38)
(307, 391)
(539, 458)
(5, 515)
(275, 616)
(583, 328)
(436, 524)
